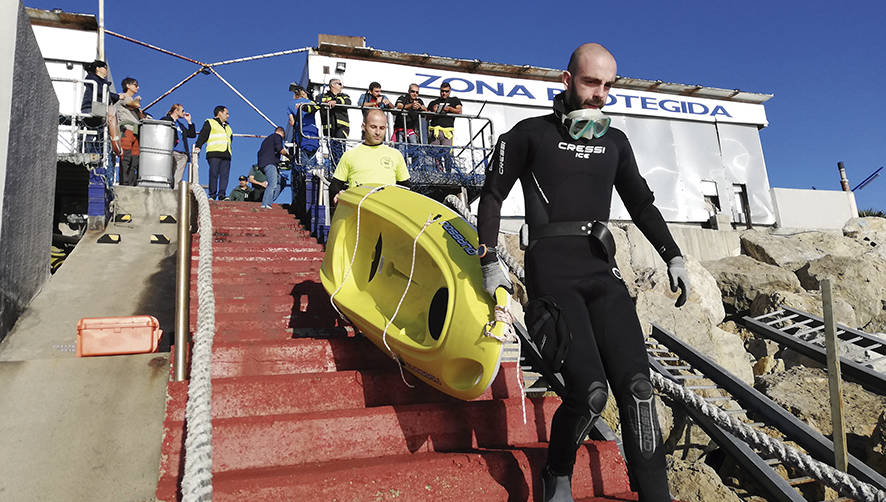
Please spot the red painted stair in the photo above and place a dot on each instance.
(305, 409)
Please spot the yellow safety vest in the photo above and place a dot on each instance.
(219, 137)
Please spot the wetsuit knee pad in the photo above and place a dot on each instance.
(592, 405)
(643, 421)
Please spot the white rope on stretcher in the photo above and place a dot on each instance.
(384, 336)
(503, 314)
(354, 255)
(393, 354)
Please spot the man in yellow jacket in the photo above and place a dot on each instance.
(216, 134)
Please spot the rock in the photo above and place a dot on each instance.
(641, 251)
(804, 393)
(756, 346)
(742, 278)
(876, 451)
(696, 482)
(860, 282)
(704, 295)
(623, 259)
(768, 364)
(695, 322)
(869, 232)
(807, 301)
(793, 251)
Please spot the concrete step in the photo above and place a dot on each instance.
(478, 474)
(265, 257)
(243, 267)
(302, 355)
(235, 286)
(284, 237)
(247, 302)
(261, 248)
(313, 392)
(304, 438)
(250, 276)
(230, 325)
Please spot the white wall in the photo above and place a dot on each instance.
(813, 209)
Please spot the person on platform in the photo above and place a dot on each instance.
(216, 134)
(373, 98)
(335, 118)
(407, 123)
(568, 162)
(370, 161)
(304, 126)
(184, 129)
(128, 116)
(441, 128)
(95, 85)
(268, 156)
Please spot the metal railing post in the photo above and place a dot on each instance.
(182, 282)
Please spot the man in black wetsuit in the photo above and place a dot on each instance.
(568, 163)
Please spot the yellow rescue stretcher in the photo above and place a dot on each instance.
(441, 330)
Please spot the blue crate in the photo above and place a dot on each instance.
(324, 234)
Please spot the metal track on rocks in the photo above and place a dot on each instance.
(862, 355)
(679, 362)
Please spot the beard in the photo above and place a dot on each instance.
(574, 102)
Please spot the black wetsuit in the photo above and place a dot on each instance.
(576, 178)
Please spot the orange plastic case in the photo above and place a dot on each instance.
(108, 336)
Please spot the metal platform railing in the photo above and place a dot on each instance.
(459, 164)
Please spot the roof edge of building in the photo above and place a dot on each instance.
(530, 72)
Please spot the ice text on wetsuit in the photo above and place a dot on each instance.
(581, 151)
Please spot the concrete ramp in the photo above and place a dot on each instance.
(90, 429)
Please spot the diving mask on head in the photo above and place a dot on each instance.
(589, 123)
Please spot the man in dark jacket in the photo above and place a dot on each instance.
(335, 120)
(268, 157)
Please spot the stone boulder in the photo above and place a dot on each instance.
(696, 321)
(793, 251)
(696, 482)
(860, 282)
(623, 259)
(870, 232)
(742, 278)
(804, 393)
(876, 453)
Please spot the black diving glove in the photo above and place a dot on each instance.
(494, 277)
(679, 277)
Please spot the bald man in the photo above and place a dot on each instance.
(568, 162)
(371, 161)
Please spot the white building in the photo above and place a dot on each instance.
(698, 147)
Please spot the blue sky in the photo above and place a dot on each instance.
(821, 60)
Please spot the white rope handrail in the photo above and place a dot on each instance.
(196, 485)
